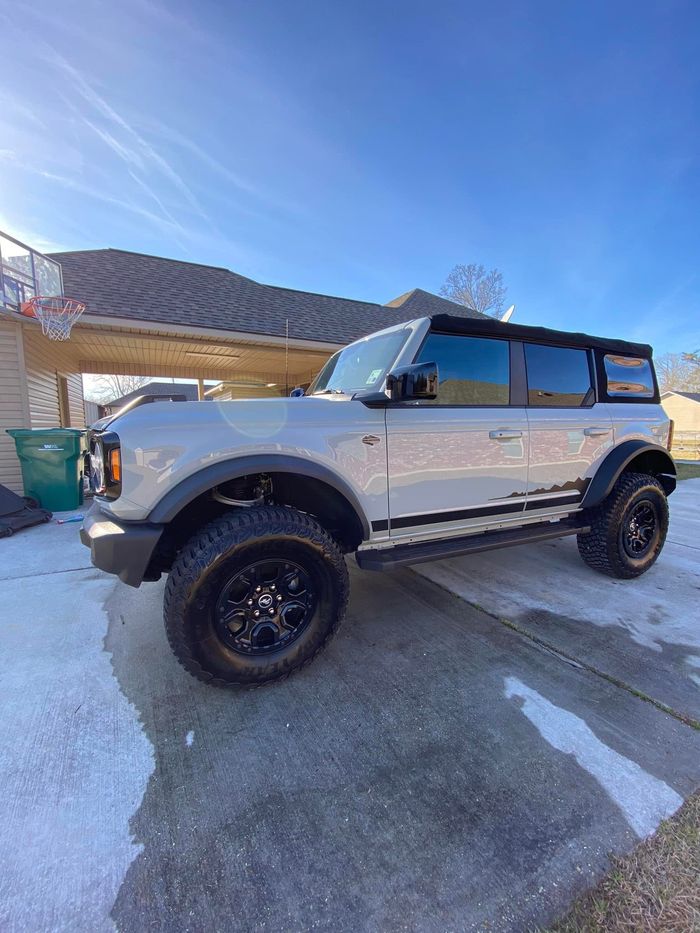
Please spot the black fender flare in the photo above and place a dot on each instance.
(205, 479)
(619, 458)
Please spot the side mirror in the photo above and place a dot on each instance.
(420, 380)
(296, 393)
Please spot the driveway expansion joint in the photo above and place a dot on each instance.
(577, 662)
(50, 573)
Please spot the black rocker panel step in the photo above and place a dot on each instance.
(404, 554)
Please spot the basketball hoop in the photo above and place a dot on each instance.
(57, 315)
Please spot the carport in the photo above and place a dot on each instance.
(156, 349)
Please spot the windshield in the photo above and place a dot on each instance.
(362, 365)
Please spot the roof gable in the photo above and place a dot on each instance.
(424, 304)
(691, 396)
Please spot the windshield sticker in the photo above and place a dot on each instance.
(373, 376)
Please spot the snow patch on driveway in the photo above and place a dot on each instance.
(644, 799)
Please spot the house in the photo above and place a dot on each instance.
(178, 391)
(185, 391)
(684, 410)
(147, 315)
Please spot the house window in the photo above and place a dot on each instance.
(472, 370)
(556, 376)
(628, 376)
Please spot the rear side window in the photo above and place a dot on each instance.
(557, 376)
(472, 370)
(629, 376)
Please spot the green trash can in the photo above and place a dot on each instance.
(52, 465)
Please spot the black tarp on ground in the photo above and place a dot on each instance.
(17, 512)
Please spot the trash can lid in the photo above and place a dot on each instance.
(54, 432)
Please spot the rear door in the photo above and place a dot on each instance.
(570, 431)
(459, 461)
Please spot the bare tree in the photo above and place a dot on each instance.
(107, 388)
(694, 360)
(678, 371)
(476, 288)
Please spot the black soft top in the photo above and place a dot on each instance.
(488, 327)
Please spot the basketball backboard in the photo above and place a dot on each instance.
(24, 273)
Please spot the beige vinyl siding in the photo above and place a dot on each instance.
(13, 403)
(75, 401)
(685, 412)
(45, 360)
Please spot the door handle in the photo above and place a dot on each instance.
(596, 432)
(504, 435)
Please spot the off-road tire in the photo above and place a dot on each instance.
(213, 555)
(603, 548)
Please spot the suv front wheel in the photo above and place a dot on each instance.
(254, 596)
(628, 529)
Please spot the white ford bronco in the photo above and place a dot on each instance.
(439, 437)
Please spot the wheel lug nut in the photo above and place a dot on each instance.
(271, 611)
(279, 598)
(257, 589)
(273, 587)
(250, 602)
(256, 613)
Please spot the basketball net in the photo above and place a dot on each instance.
(56, 315)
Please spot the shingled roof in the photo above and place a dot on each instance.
(134, 286)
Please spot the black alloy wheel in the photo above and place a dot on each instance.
(639, 528)
(265, 606)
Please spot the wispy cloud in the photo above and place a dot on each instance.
(28, 235)
(264, 195)
(133, 149)
(187, 238)
(124, 153)
(163, 209)
(171, 226)
(9, 105)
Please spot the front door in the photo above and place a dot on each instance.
(459, 461)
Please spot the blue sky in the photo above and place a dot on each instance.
(363, 149)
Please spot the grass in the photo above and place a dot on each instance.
(688, 470)
(655, 889)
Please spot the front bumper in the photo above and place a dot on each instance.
(122, 548)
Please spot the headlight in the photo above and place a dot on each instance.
(106, 465)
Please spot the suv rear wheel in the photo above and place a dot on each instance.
(254, 596)
(628, 529)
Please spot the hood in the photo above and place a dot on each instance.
(263, 416)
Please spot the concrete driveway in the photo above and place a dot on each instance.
(435, 769)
